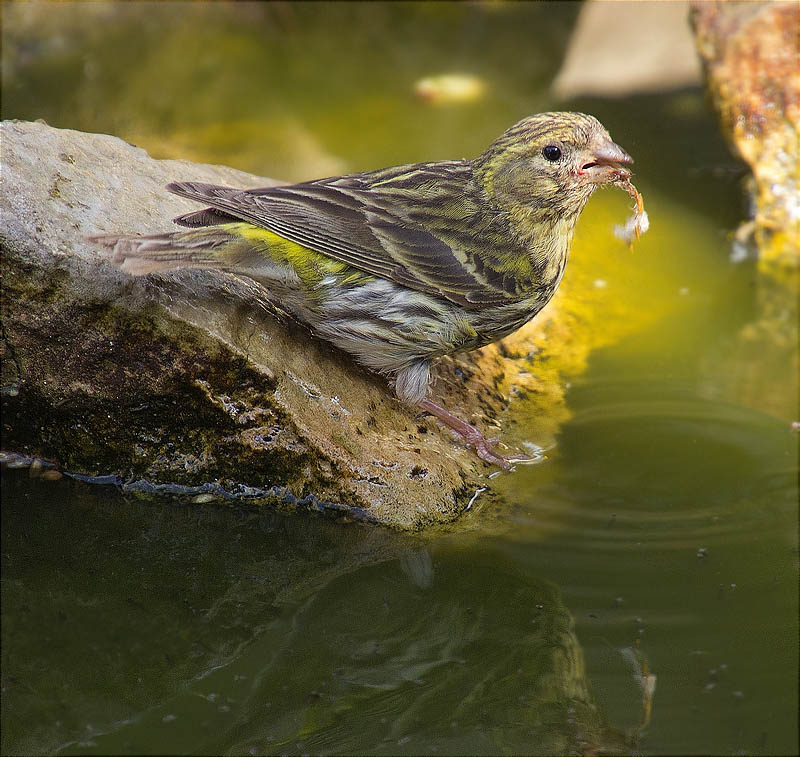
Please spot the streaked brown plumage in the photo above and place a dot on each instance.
(405, 264)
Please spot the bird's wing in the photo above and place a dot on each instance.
(410, 224)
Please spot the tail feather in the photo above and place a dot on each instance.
(218, 248)
(140, 255)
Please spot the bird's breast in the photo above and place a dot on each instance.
(497, 322)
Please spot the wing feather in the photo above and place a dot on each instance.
(365, 220)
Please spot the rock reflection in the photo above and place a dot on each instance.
(200, 629)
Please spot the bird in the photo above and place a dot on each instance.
(400, 266)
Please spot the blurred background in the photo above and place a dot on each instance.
(655, 548)
(300, 90)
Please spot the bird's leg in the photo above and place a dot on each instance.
(467, 432)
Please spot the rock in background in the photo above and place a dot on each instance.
(624, 48)
(750, 56)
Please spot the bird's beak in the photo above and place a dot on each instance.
(603, 164)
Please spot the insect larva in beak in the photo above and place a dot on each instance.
(639, 222)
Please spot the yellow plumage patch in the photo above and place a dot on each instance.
(311, 266)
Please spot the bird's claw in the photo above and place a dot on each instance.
(484, 450)
(473, 437)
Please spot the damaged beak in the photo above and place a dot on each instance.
(603, 164)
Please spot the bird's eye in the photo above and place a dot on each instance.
(552, 153)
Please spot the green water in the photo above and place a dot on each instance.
(659, 537)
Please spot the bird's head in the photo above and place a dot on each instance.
(550, 164)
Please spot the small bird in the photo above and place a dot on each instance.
(402, 265)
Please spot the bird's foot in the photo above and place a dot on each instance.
(471, 436)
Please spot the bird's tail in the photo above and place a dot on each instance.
(213, 247)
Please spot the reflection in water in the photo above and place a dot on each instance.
(113, 608)
(395, 671)
(765, 350)
(136, 628)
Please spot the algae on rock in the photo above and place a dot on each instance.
(750, 54)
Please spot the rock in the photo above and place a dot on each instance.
(619, 49)
(176, 383)
(749, 53)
